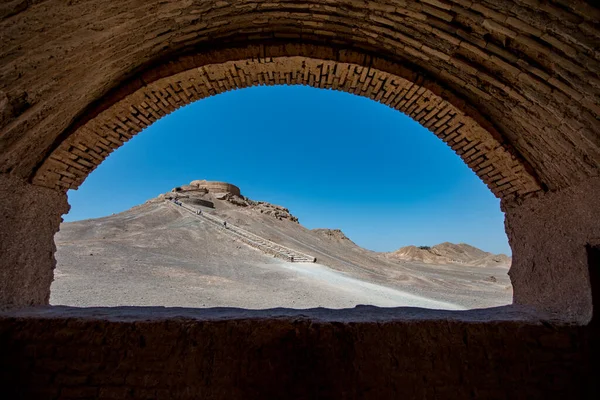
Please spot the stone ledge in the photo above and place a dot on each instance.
(358, 314)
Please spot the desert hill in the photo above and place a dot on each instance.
(160, 253)
(450, 253)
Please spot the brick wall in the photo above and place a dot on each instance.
(526, 71)
(68, 166)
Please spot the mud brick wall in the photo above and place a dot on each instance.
(70, 164)
(526, 71)
(289, 357)
(29, 217)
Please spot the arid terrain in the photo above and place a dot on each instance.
(160, 253)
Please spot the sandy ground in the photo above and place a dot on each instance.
(298, 285)
(157, 255)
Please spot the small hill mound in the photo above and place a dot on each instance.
(450, 253)
(332, 234)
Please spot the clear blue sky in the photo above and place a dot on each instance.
(335, 160)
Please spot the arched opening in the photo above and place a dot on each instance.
(331, 159)
(126, 110)
(69, 163)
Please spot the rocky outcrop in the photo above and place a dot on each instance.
(276, 211)
(332, 234)
(450, 253)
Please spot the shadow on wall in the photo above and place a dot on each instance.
(593, 253)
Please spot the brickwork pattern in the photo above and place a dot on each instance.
(529, 67)
(69, 165)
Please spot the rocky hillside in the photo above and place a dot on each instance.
(450, 253)
(159, 253)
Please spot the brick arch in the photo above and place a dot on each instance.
(71, 162)
(529, 68)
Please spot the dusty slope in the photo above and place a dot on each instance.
(155, 254)
(462, 284)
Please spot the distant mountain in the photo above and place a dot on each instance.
(450, 253)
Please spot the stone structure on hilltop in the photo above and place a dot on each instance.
(204, 187)
(206, 193)
(216, 187)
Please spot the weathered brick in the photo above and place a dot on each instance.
(496, 27)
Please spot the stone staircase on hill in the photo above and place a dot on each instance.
(249, 238)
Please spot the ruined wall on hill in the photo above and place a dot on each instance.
(217, 187)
